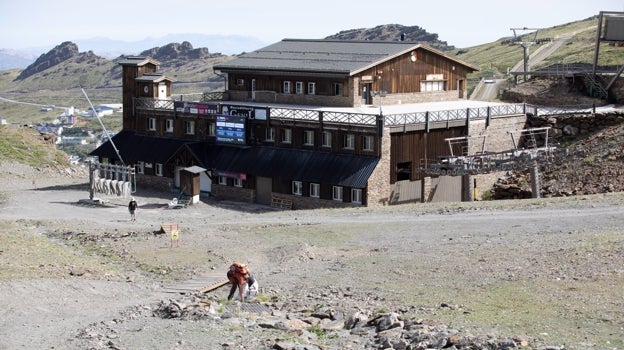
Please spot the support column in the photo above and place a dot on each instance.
(91, 179)
(467, 188)
(535, 183)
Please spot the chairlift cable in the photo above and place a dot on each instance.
(103, 127)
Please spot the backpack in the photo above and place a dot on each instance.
(239, 268)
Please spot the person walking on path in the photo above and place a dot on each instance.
(132, 207)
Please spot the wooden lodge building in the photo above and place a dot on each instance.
(301, 123)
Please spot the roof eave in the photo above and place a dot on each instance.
(415, 47)
(265, 71)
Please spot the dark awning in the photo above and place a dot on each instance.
(134, 147)
(310, 166)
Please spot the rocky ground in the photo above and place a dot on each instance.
(536, 273)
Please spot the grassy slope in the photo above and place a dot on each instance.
(23, 145)
(495, 57)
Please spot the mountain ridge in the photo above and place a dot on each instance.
(11, 58)
(224, 44)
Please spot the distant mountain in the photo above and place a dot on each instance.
(57, 55)
(225, 44)
(394, 32)
(65, 67)
(176, 51)
(13, 59)
(215, 44)
(108, 48)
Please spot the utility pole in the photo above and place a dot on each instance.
(520, 40)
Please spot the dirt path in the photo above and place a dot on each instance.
(546, 270)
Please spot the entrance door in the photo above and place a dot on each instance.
(264, 188)
(460, 87)
(162, 91)
(366, 94)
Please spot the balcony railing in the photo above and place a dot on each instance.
(369, 119)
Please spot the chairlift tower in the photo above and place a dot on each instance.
(610, 30)
(519, 39)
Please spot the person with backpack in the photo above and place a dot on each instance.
(239, 276)
(132, 207)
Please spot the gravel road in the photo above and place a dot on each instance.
(75, 276)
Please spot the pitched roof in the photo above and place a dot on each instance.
(154, 78)
(345, 57)
(134, 147)
(137, 61)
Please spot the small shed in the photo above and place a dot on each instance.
(189, 182)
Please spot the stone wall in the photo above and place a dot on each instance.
(423, 97)
(237, 194)
(379, 187)
(567, 128)
(300, 202)
(343, 101)
(154, 182)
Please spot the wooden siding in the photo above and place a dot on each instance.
(416, 147)
(323, 86)
(256, 132)
(337, 138)
(401, 78)
(130, 90)
(402, 75)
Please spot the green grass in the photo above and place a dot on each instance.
(24, 146)
(495, 57)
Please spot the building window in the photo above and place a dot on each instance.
(286, 87)
(308, 138)
(327, 138)
(315, 190)
(212, 127)
(286, 136)
(238, 183)
(311, 88)
(159, 169)
(269, 134)
(151, 124)
(337, 89)
(299, 87)
(337, 193)
(148, 165)
(240, 82)
(189, 127)
(404, 171)
(296, 188)
(223, 180)
(356, 195)
(140, 168)
(432, 86)
(349, 141)
(169, 125)
(367, 142)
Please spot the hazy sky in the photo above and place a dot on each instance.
(34, 23)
